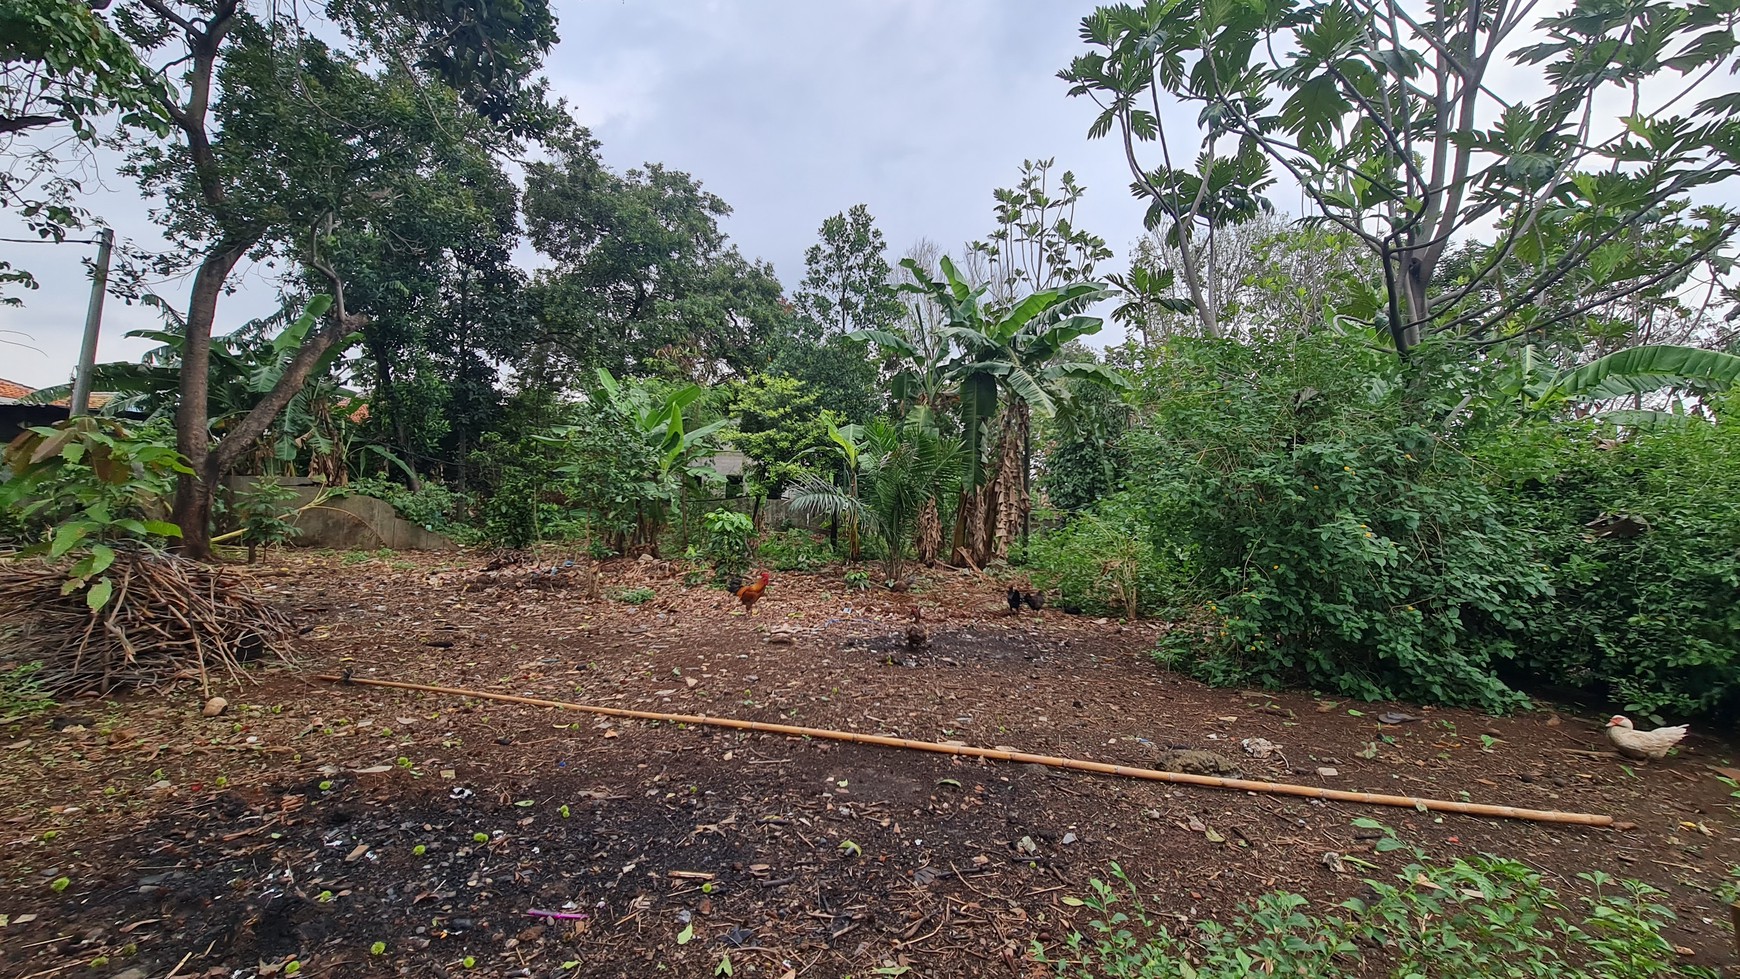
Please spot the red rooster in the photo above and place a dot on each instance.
(752, 591)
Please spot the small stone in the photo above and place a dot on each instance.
(215, 706)
(1327, 772)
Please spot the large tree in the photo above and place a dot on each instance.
(847, 289)
(645, 281)
(1390, 116)
(280, 144)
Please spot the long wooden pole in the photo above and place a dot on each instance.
(997, 754)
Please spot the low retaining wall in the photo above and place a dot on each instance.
(351, 523)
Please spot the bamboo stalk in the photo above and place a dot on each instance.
(1101, 768)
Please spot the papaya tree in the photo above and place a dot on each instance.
(1391, 118)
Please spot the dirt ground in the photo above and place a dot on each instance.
(320, 829)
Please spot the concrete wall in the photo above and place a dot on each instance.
(353, 522)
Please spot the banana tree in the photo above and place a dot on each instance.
(1636, 372)
(848, 448)
(1004, 367)
(670, 452)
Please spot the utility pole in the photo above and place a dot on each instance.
(81, 394)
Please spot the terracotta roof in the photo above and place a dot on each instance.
(13, 389)
(96, 400)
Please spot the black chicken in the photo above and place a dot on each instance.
(1014, 600)
(1035, 600)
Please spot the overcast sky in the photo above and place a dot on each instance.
(790, 111)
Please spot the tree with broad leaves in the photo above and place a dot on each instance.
(645, 281)
(846, 278)
(1036, 244)
(1390, 116)
(1006, 368)
(278, 145)
(847, 289)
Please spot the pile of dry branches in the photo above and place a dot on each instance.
(169, 619)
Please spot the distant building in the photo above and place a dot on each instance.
(18, 414)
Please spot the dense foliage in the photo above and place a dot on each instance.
(1640, 539)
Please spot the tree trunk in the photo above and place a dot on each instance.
(193, 491)
(927, 540)
(1012, 503)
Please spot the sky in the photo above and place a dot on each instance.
(791, 110)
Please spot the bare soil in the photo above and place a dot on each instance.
(311, 821)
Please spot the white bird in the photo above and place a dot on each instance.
(1633, 743)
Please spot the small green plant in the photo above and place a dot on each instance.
(469, 962)
(792, 550)
(851, 849)
(265, 512)
(480, 837)
(636, 596)
(858, 580)
(86, 489)
(1484, 916)
(562, 810)
(325, 785)
(60, 884)
(292, 967)
(22, 693)
(325, 897)
(727, 545)
(378, 948)
(419, 850)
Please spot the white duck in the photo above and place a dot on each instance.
(1633, 743)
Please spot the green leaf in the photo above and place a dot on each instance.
(162, 528)
(686, 935)
(99, 594)
(66, 537)
(1647, 369)
(102, 556)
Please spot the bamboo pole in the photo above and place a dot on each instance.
(997, 754)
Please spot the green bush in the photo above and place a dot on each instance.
(1345, 544)
(1640, 539)
(433, 507)
(1103, 562)
(1483, 916)
(88, 488)
(792, 550)
(727, 546)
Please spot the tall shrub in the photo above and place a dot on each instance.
(1640, 538)
(1346, 544)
